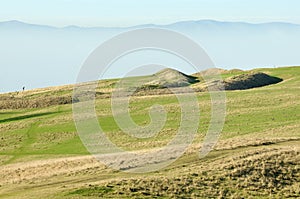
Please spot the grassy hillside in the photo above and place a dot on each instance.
(257, 156)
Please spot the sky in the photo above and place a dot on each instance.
(122, 13)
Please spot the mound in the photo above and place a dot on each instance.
(171, 78)
(247, 81)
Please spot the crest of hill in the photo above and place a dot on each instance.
(216, 71)
(171, 78)
(210, 71)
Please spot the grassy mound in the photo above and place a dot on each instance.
(251, 80)
(234, 80)
(171, 78)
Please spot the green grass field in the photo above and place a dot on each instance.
(257, 156)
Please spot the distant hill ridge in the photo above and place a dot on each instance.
(14, 23)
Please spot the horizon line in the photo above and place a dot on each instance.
(148, 24)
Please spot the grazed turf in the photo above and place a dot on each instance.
(261, 128)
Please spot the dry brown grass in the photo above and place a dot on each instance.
(259, 173)
(21, 103)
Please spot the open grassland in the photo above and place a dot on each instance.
(257, 156)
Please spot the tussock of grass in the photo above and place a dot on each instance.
(11, 142)
(268, 173)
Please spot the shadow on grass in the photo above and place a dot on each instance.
(9, 113)
(26, 117)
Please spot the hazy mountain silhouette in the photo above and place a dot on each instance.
(39, 55)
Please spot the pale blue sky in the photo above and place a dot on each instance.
(134, 12)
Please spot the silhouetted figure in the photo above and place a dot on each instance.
(23, 88)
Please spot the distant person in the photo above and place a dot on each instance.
(23, 88)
